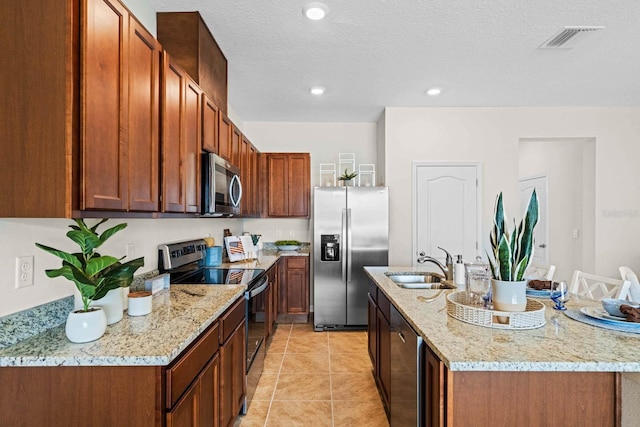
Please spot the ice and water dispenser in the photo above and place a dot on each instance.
(330, 247)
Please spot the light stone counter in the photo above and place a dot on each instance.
(179, 316)
(563, 344)
(266, 258)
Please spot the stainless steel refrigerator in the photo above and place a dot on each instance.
(350, 231)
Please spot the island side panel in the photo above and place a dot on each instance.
(81, 396)
(533, 398)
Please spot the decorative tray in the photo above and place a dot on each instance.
(459, 307)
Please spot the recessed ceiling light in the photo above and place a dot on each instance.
(434, 91)
(315, 10)
(317, 90)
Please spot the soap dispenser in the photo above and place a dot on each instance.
(459, 274)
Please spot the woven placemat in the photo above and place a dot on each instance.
(576, 314)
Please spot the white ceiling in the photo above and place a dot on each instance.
(375, 53)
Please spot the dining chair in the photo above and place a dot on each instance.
(598, 287)
(627, 273)
(540, 271)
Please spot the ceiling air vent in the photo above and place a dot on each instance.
(567, 37)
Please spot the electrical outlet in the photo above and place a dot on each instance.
(24, 271)
(278, 232)
(131, 250)
(576, 233)
(292, 233)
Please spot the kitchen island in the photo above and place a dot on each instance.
(564, 373)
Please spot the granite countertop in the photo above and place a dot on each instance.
(266, 258)
(563, 344)
(179, 316)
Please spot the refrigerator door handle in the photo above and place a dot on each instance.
(343, 232)
(348, 244)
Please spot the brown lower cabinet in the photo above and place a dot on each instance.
(203, 386)
(293, 289)
(495, 398)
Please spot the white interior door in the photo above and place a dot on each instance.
(446, 210)
(540, 233)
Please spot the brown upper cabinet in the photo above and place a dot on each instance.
(249, 177)
(236, 138)
(87, 73)
(287, 178)
(181, 130)
(188, 40)
(224, 136)
(209, 125)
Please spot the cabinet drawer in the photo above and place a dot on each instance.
(384, 305)
(297, 263)
(188, 366)
(231, 319)
(373, 291)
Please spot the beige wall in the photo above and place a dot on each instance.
(491, 136)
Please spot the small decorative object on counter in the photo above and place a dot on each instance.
(366, 175)
(93, 274)
(511, 255)
(140, 303)
(459, 274)
(328, 174)
(287, 245)
(86, 326)
(347, 178)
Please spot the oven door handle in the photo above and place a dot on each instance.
(259, 289)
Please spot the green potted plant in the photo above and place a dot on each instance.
(346, 177)
(512, 253)
(93, 274)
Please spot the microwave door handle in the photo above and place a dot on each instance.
(235, 202)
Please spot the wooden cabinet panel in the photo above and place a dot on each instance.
(288, 184)
(372, 333)
(298, 190)
(232, 375)
(187, 38)
(105, 94)
(293, 286)
(143, 125)
(209, 125)
(192, 143)
(236, 138)
(186, 412)
(434, 390)
(384, 357)
(254, 179)
(245, 176)
(173, 198)
(224, 136)
(210, 393)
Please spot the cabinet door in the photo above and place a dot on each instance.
(186, 412)
(224, 136)
(143, 126)
(372, 332)
(209, 394)
(384, 356)
(434, 390)
(254, 180)
(278, 168)
(209, 125)
(298, 187)
(232, 376)
(192, 142)
(236, 138)
(296, 292)
(104, 105)
(245, 177)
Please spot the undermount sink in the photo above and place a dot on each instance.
(418, 280)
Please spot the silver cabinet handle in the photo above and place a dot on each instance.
(402, 337)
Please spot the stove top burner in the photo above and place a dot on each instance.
(217, 276)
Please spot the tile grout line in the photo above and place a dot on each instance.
(333, 420)
(275, 387)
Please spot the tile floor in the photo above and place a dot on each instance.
(316, 379)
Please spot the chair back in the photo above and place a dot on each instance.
(598, 287)
(540, 271)
(634, 290)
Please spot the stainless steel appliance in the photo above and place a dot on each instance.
(221, 187)
(350, 230)
(183, 262)
(406, 373)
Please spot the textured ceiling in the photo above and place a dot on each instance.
(372, 54)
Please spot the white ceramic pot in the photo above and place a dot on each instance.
(140, 303)
(111, 303)
(125, 299)
(86, 326)
(509, 296)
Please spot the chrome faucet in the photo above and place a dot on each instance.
(447, 269)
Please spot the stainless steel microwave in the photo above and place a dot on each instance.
(221, 187)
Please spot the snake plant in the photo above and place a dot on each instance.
(512, 252)
(93, 274)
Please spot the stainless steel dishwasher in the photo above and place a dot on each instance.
(406, 373)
